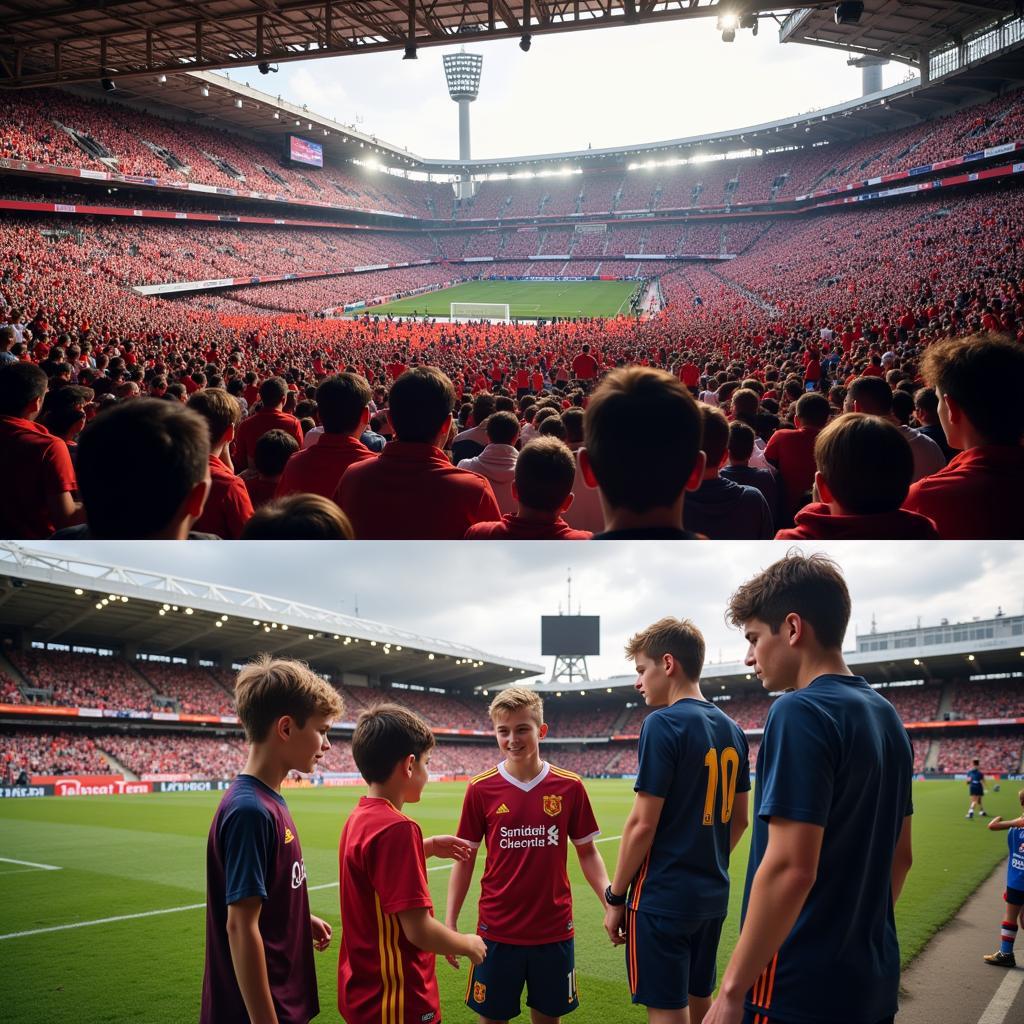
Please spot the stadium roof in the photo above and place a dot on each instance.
(49, 42)
(71, 600)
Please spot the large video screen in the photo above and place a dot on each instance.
(570, 635)
(302, 151)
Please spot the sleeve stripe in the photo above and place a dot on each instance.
(585, 839)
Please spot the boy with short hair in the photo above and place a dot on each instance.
(259, 931)
(389, 934)
(1014, 894)
(670, 893)
(526, 809)
(976, 789)
(830, 742)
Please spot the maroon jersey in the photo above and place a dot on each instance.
(253, 850)
(525, 898)
(382, 977)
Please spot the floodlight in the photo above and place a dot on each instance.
(525, 41)
(728, 35)
(727, 21)
(264, 68)
(108, 84)
(204, 91)
(849, 13)
(238, 103)
(162, 79)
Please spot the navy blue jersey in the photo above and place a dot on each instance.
(695, 757)
(253, 850)
(1015, 865)
(835, 754)
(976, 780)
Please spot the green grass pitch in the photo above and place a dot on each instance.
(133, 855)
(528, 300)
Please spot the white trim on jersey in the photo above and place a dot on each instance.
(524, 786)
(585, 839)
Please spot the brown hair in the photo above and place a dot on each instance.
(218, 408)
(813, 409)
(270, 688)
(678, 637)
(517, 698)
(741, 441)
(298, 517)
(545, 470)
(716, 434)
(386, 735)
(811, 586)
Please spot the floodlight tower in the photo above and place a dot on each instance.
(462, 71)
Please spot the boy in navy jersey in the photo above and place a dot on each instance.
(831, 847)
(528, 811)
(1014, 895)
(689, 813)
(976, 789)
(260, 934)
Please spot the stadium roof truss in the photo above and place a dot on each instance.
(53, 42)
(66, 599)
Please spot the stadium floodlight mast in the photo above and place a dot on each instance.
(462, 72)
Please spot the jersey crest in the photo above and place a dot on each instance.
(479, 992)
(553, 805)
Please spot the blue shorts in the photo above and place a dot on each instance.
(548, 973)
(669, 959)
(977, 790)
(1014, 896)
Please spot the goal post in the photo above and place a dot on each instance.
(479, 311)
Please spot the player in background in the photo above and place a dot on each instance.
(1014, 895)
(690, 811)
(260, 934)
(976, 789)
(831, 845)
(389, 936)
(528, 811)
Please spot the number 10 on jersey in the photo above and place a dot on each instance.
(724, 765)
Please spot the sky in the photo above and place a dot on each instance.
(601, 87)
(491, 595)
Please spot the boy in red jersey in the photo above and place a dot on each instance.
(389, 934)
(526, 809)
(259, 931)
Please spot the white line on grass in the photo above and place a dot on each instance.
(31, 864)
(194, 906)
(1002, 1002)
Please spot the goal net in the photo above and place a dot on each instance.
(479, 311)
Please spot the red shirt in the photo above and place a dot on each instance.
(793, 452)
(261, 488)
(980, 494)
(584, 366)
(382, 976)
(514, 527)
(252, 429)
(525, 899)
(411, 491)
(816, 522)
(228, 507)
(36, 467)
(318, 469)
(689, 374)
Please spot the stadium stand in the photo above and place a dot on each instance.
(998, 752)
(987, 699)
(193, 690)
(84, 680)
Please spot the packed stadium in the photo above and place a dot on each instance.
(167, 234)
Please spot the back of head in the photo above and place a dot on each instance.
(384, 737)
(744, 403)
(866, 462)
(21, 384)
(813, 410)
(515, 699)
(642, 432)
(741, 442)
(421, 400)
(545, 471)
(902, 405)
(483, 406)
(269, 688)
(299, 517)
(872, 394)
(678, 637)
(136, 464)
(926, 401)
(552, 427)
(716, 435)
(220, 410)
(502, 428)
(272, 451)
(342, 400)
(273, 392)
(985, 377)
(573, 422)
(811, 586)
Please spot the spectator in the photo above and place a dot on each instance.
(273, 393)
(411, 491)
(228, 506)
(472, 441)
(544, 475)
(738, 469)
(864, 471)
(642, 438)
(497, 461)
(979, 381)
(36, 465)
(269, 458)
(926, 412)
(299, 517)
(584, 366)
(791, 452)
(720, 508)
(7, 340)
(344, 404)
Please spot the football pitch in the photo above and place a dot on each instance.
(527, 300)
(142, 859)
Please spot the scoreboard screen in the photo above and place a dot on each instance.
(570, 635)
(302, 151)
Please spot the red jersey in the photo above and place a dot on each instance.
(525, 898)
(584, 366)
(251, 430)
(318, 469)
(382, 976)
(228, 506)
(515, 527)
(37, 467)
(792, 451)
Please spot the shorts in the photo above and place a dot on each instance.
(1014, 896)
(977, 790)
(754, 1017)
(669, 959)
(548, 972)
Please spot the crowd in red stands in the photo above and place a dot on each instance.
(988, 699)
(202, 757)
(84, 680)
(997, 752)
(193, 690)
(48, 753)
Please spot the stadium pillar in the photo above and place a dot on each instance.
(871, 73)
(924, 62)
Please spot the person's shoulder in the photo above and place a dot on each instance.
(564, 775)
(483, 778)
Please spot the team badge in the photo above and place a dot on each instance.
(479, 991)
(553, 806)
(502, 809)
(288, 836)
